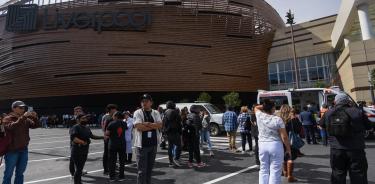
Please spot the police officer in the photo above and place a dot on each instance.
(348, 144)
(80, 136)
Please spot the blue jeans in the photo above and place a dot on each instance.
(15, 160)
(205, 137)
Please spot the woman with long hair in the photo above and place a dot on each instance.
(244, 122)
(292, 124)
(272, 135)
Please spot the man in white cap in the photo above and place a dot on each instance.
(17, 125)
(346, 124)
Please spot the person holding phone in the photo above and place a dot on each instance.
(272, 135)
(17, 124)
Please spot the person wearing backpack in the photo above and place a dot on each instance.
(173, 130)
(17, 125)
(205, 132)
(244, 122)
(194, 125)
(346, 125)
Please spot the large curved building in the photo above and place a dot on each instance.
(64, 49)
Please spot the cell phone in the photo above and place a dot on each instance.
(30, 109)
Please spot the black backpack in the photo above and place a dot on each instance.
(340, 124)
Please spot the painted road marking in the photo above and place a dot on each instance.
(231, 175)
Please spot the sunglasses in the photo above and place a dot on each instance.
(20, 107)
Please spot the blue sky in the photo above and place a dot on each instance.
(305, 10)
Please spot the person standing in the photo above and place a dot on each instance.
(80, 136)
(173, 130)
(146, 138)
(346, 125)
(194, 125)
(185, 134)
(255, 133)
(244, 122)
(107, 118)
(17, 124)
(129, 136)
(205, 132)
(308, 122)
(230, 126)
(116, 145)
(292, 124)
(272, 135)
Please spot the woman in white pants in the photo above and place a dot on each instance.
(272, 135)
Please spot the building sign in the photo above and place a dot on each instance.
(21, 18)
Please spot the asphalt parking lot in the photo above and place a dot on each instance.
(49, 160)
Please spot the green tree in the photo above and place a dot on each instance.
(232, 99)
(204, 97)
(373, 76)
(320, 84)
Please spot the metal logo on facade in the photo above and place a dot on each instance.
(22, 18)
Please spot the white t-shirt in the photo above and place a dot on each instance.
(268, 127)
(139, 118)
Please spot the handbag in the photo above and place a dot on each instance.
(295, 140)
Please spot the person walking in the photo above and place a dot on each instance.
(129, 136)
(205, 132)
(107, 118)
(173, 130)
(80, 136)
(292, 124)
(230, 126)
(146, 138)
(244, 122)
(194, 125)
(17, 124)
(116, 145)
(272, 135)
(346, 125)
(308, 122)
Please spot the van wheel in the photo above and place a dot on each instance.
(215, 130)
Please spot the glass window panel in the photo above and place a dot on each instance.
(320, 59)
(303, 75)
(321, 73)
(282, 77)
(272, 68)
(313, 74)
(274, 79)
(289, 77)
(302, 63)
(288, 65)
(281, 66)
(311, 61)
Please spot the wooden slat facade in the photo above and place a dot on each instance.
(183, 49)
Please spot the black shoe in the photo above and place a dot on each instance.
(171, 165)
(111, 180)
(121, 178)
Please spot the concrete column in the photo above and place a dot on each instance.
(346, 42)
(364, 19)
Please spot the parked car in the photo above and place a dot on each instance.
(216, 115)
(370, 113)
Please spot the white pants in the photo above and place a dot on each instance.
(271, 155)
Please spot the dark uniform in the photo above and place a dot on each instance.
(79, 152)
(117, 146)
(347, 153)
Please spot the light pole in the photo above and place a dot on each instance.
(290, 21)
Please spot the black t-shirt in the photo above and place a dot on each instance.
(81, 132)
(149, 138)
(117, 136)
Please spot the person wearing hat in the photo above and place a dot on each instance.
(346, 124)
(146, 138)
(17, 124)
(80, 136)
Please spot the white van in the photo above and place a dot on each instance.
(216, 115)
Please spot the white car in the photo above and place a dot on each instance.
(216, 122)
(370, 113)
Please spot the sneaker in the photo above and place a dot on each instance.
(105, 173)
(201, 151)
(200, 165)
(111, 180)
(243, 152)
(212, 154)
(170, 165)
(190, 165)
(177, 163)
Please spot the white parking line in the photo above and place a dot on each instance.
(68, 176)
(58, 147)
(56, 158)
(47, 142)
(33, 139)
(230, 175)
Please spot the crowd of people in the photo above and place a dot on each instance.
(277, 138)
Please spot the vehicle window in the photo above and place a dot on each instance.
(279, 100)
(213, 109)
